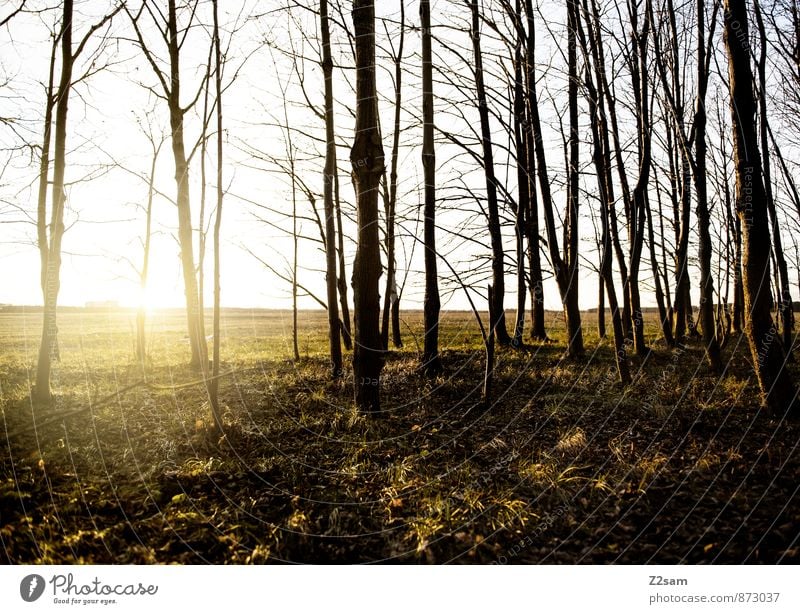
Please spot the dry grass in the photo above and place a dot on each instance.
(565, 466)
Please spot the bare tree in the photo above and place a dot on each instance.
(367, 159)
(769, 359)
(51, 277)
(431, 362)
(391, 299)
(213, 381)
(497, 316)
(334, 333)
(566, 267)
(169, 79)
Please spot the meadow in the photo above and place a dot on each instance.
(564, 465)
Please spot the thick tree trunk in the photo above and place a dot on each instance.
(52, 275)
(431, 363)
(367, 159)
(496, 308)
(334, 332)
(769, 359)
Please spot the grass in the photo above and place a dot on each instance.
(564, 466)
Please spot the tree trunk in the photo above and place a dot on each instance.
(601, 156)
(563, 268)
(538, 331)
(496, 308)
(52, 284)
(391, 299)
(785, 297)
(663, 316)
(141, 341)
(769, 359)
(176, 119)
(638, 205)
(334, 333)
(431, 363)
(707, 320)
(213, 387)
(523, 202)
(367, 159)
(569, 267)
(341, 280)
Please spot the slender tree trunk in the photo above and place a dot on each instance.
(785, 302)
(570, 265)
(707, 320)
(769, 359)
(601, 156)
(638, 205)
(341, 281)
(496, 308)
(663, 316)
(52, 284)
(598, 54)
(538, 331)
(176, 119)
(44, 170)
(431, 363)
(523, 203)
(141, 341)
(391, 300)
(213, 385)
(295, 245)
(367, 159)
(563, 268)
(334, 332)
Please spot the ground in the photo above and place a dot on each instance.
(564, 466)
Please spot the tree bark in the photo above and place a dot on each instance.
(538, 331)
(391, 299)
(367, 160)
(431, 362)
(496, 308)
(213, 383)
(563, 268)
(769, 359)
(197, 340)
(334, 332)
(52, 275)
(785, 297)
(601, 156)
(523, 201)
(707, 319)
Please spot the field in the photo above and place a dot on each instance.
(564, 466)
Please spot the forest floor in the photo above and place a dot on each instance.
(565, 465)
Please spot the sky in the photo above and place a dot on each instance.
(109, 156)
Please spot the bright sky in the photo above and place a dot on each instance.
(108, 144)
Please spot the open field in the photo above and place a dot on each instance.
(564, 466)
